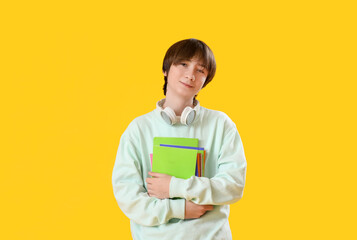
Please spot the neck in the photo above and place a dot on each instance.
(177, 104)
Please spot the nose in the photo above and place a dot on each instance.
(190, 75)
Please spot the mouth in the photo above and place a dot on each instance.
(187, 85)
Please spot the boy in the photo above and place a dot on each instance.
(165, 207)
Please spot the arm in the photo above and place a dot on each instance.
(226, 187)
(131, 195)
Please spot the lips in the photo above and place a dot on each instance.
(186, 85)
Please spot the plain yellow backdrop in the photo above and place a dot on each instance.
(75, 73)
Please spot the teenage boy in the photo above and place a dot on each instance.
(165, 207)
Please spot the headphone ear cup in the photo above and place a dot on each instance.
(168, 115)
(188, 115)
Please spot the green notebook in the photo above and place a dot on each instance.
(178, 162)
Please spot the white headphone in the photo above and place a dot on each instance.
(188, 115)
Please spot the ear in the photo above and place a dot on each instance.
(165, 73)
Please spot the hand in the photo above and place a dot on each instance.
(193, 210)
(159, 185)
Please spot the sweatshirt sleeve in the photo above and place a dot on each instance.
(226, 187)
(131, 194)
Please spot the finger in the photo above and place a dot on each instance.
(154, 174)
(209, 207)
(159, 175)
(151, 193)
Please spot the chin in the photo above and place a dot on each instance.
(185, 94)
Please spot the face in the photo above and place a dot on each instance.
(186, 78)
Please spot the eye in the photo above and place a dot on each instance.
(201, 70)
(183, 64)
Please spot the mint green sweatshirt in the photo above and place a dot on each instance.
(223, 183)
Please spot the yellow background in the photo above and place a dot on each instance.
(74, 74)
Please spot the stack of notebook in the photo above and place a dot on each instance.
(178, 157)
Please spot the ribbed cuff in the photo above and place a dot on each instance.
(176, 186)
(177, 207)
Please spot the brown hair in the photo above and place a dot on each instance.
(186, 50)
